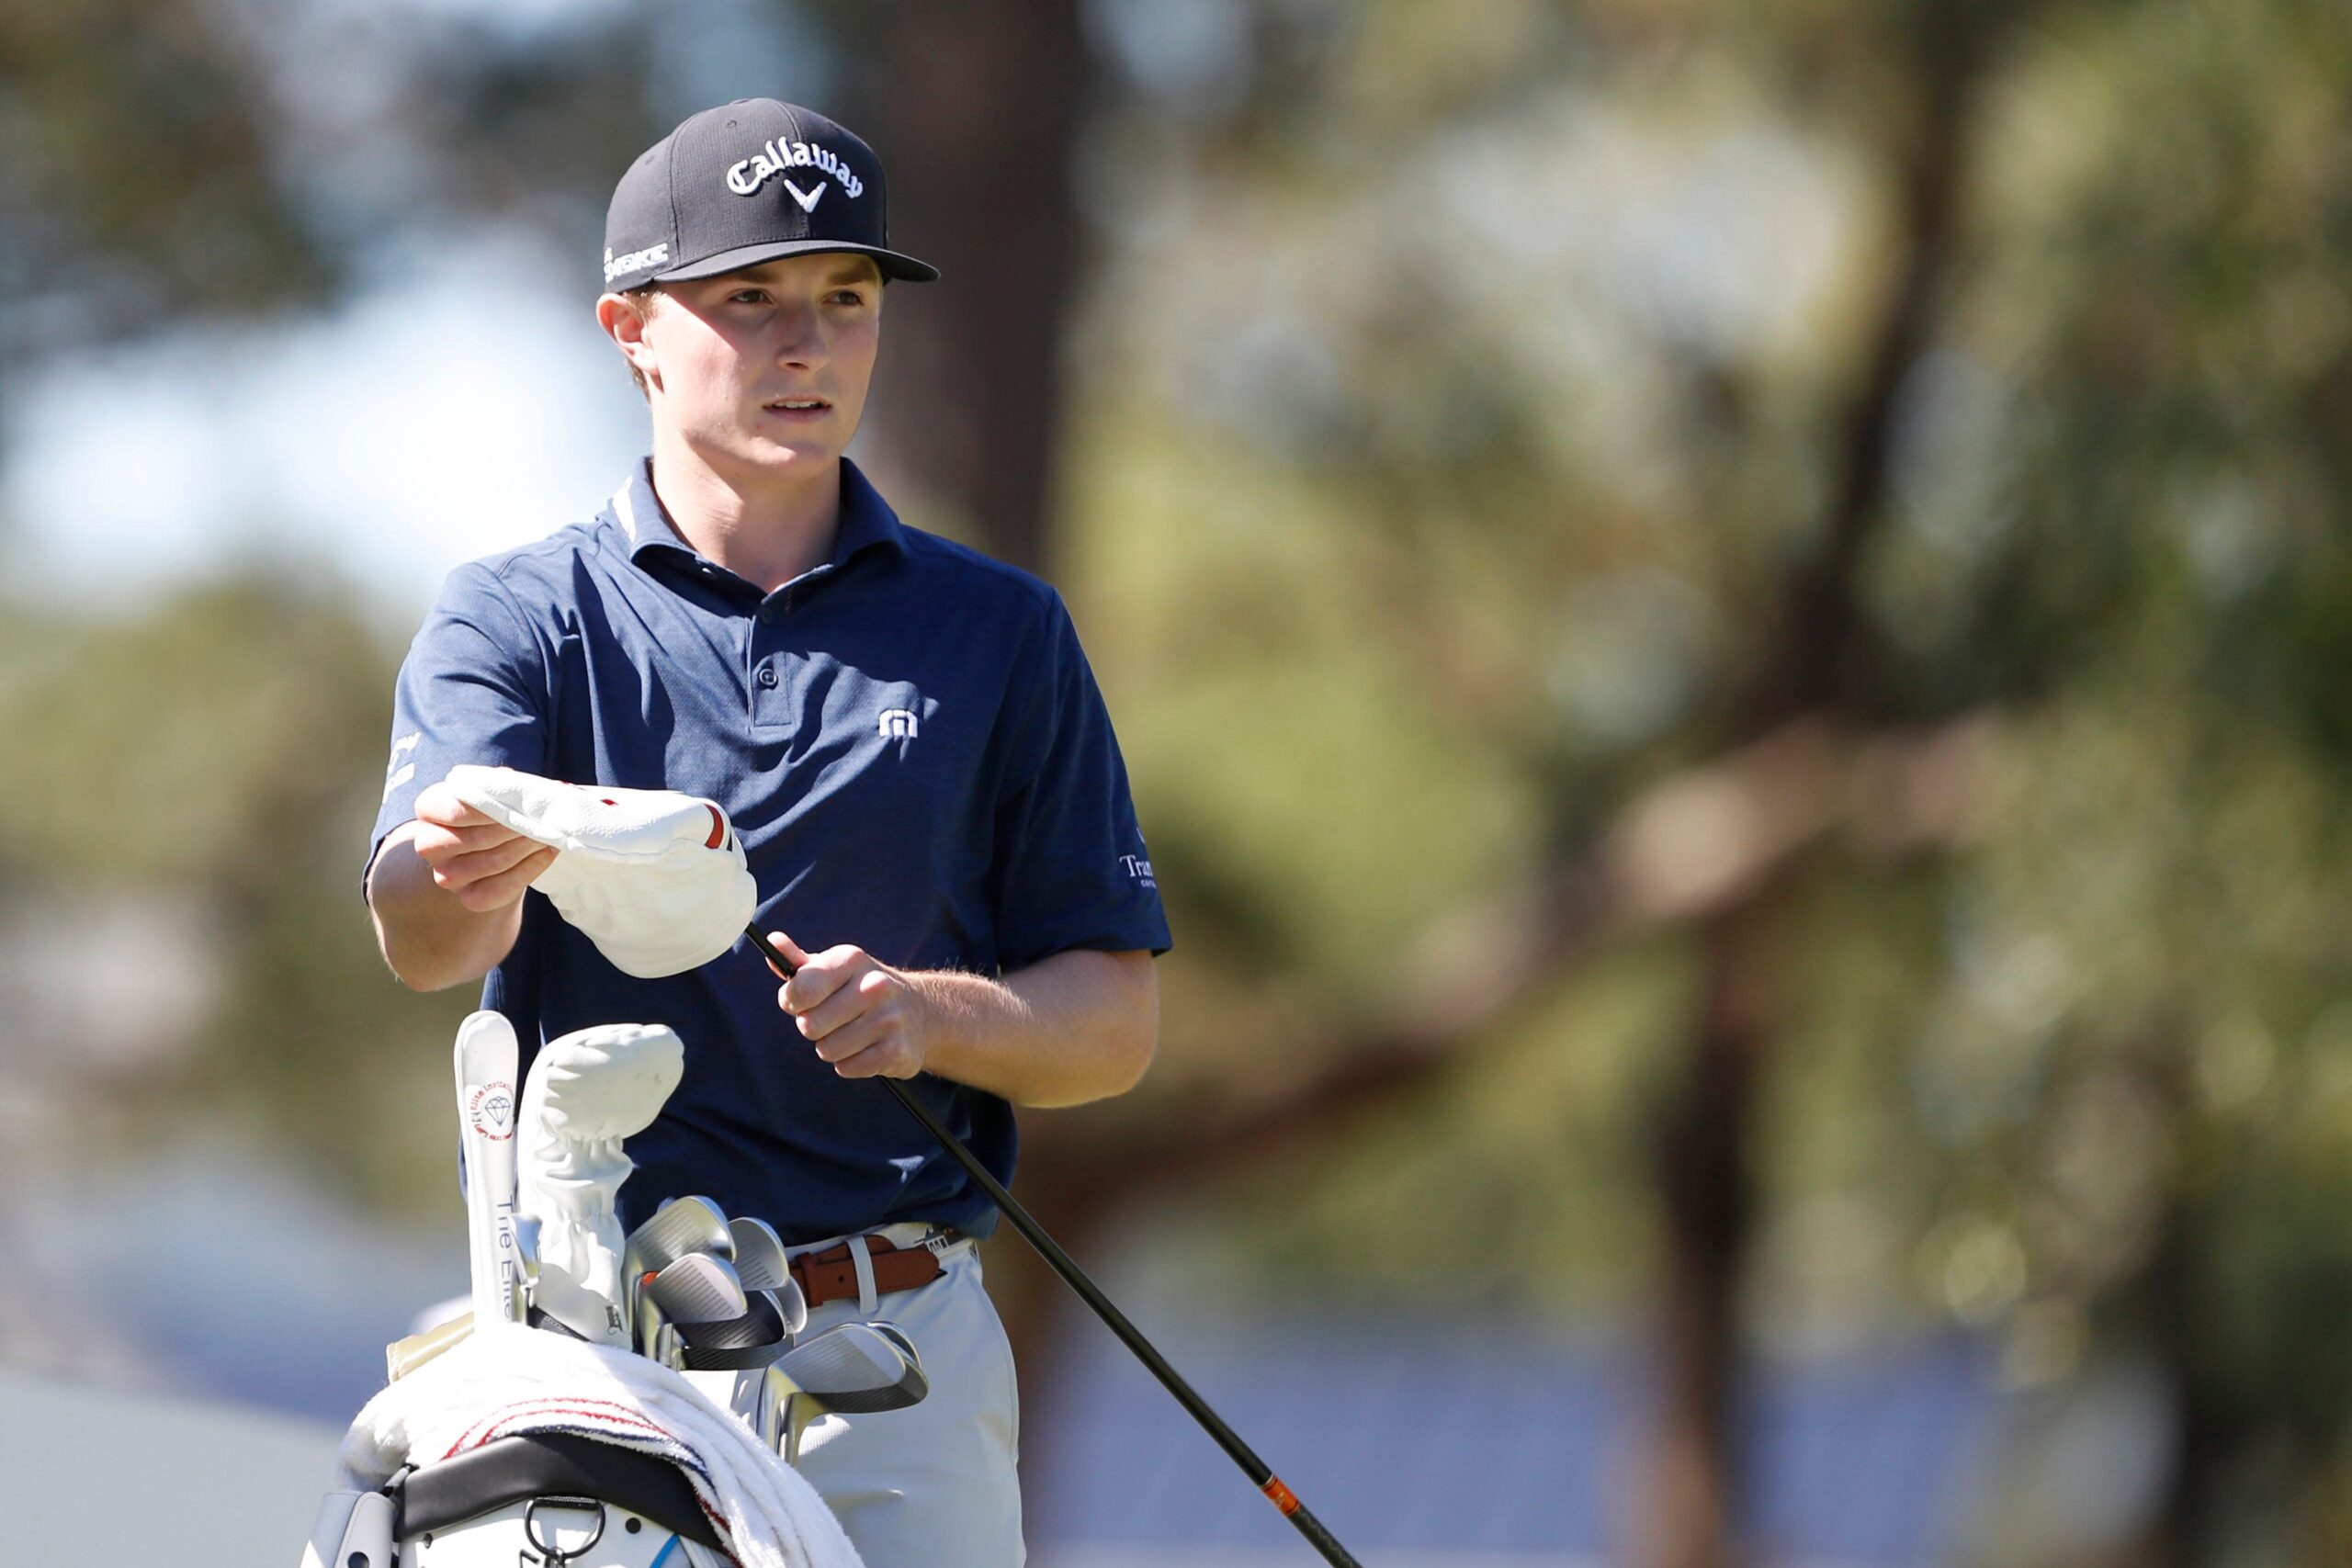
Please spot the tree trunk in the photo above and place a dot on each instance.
(1704, 1178)
(2181, 1533)
(1824, 662)
(979, 110)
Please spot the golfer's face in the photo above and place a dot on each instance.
(766, 368)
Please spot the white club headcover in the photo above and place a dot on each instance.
(585, 1092)
(656, 879)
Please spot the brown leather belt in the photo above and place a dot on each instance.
(831, 1275)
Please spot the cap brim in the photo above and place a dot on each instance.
(893, 264)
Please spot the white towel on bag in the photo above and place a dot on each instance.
(512, 1380)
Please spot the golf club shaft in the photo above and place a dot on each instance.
(1259, 1472)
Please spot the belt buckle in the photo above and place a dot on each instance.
(940, 1238)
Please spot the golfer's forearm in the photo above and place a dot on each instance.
(1075, 1027)
(432, 940)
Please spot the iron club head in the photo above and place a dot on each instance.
(857, 1369)
(679, 1228)
(853, 1368)
(751, 1340)
(760, 1259)
(791, 1305)
(697, 1288)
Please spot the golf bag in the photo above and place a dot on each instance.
(613, 1402)
(547, 1499)
(526, 1446)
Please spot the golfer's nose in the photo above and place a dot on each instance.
(800, 338)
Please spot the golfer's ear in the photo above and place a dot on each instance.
(623, 320)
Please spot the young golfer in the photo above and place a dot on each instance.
(903, 737)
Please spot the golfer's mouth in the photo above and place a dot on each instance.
(799, 408)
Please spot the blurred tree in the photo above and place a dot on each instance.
(208, 758)
(168, 161)
(120, 221)
(1749, 441)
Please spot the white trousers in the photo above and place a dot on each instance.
(933, 1486)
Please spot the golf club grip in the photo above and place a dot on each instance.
(1260, 1473)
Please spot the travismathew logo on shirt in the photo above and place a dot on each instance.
(774, 157)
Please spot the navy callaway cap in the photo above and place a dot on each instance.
(745, 182)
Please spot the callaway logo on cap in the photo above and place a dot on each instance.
(745, 182)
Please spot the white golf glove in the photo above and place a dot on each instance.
(656, 879)
(585, 1092)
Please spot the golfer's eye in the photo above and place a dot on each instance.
(752, 296)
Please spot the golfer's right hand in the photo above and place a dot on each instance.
(486, 865)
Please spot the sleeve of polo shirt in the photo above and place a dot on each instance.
(1070, 867)
(473, 688)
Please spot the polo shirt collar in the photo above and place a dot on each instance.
(866, 520)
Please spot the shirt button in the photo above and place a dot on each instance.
(768, 618)
(767, 675)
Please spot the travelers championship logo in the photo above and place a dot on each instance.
(493, 1111)
(775, 157)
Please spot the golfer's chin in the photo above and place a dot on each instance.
(768, 458)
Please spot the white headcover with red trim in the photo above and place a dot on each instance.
(587, 1091)
(655, 878)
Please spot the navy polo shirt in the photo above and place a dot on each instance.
(914, 753)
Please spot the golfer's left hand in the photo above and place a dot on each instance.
(865, 1018)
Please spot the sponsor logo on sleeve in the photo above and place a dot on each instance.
(1140, 870)
(396, 771)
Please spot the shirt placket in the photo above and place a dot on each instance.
(775, 663)
(770, 674)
